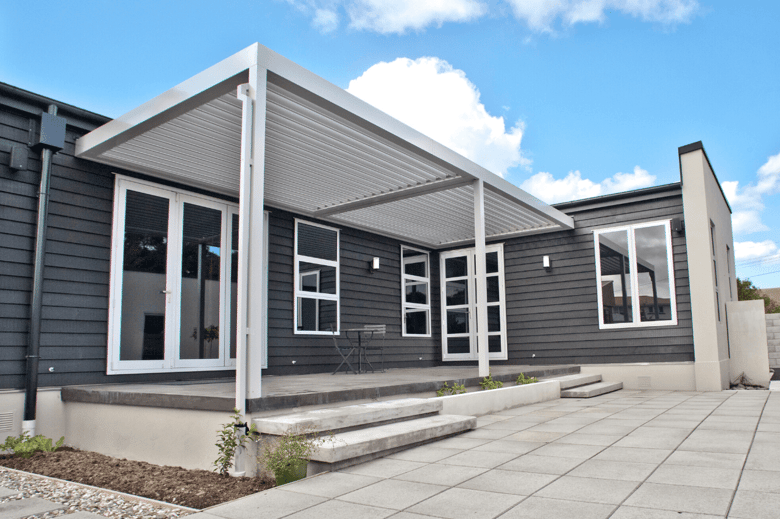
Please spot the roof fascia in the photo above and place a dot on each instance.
(213, 82)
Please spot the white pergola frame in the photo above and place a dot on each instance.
(169, 136)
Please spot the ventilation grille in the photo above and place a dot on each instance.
(6, 421)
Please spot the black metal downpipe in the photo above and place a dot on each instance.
(34, 343)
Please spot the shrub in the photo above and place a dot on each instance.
(285, 455)
(456, 389)
(489, 383)
(229, 439)
(522, 379)
(25, 445)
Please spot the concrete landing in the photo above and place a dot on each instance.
(592, 390)
(571, 381)
(26, 507)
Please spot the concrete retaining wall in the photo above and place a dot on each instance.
(748, 341)
(773, 339)
(480, 403)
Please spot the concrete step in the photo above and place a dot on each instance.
(359, 445)
(571, 381)
(348, 417)
(592, 390)
(19, 508)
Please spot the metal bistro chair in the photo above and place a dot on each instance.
(345, 352)
(376, 331)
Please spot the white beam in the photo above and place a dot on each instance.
(481, 277)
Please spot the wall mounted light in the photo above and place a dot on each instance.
(546, 263)
(374, 264)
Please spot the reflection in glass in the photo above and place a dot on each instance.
(458, 321)
(457, 293)
(233, 285)
(144, 277)
(494, 318)
(458, 345)
(492, 289)
(417, 322)
(616, 293)
(317, 242)
(317, 278)
(316, 315)
(455, 267)
(652, 265)
(494, 344)
(200, 279)
(415, 263)
(491, 262)
(417, 293)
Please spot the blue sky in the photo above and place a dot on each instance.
(567, 98)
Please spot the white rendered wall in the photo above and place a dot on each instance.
(49, 413)
(748, 341)
(670, 376)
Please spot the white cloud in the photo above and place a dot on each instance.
(439, 101)
(400, 16)
(573, 187)
(746, 250)
(541, 15)
(748, 202)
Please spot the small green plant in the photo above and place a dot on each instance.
(229, 439)
(287, 455)
(456, 389)
(489, 383)
(522, 379)
(25, 445)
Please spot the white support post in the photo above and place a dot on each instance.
(251, 340)
(481, 277)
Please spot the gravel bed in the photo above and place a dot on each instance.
(82, 498)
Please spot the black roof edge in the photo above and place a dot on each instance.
(35, 104)
(682, 150)
(619, 196)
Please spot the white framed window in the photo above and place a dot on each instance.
(635, 276)
(415, 292)
(173, 300)
(316, 276)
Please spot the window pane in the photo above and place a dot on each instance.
(317, 242)
(144, 277)
(316, 314)
(492, 289)
(233, 285)
(455, 267)
(457, 293)
(417, 322)
(317, 278)
(494, 318)
(653, 272)
(615, 277)
(458, 321)
(200, 276)
(458, 345)
(494, 344)
(491, 262)
(417, 293)
(415, 263)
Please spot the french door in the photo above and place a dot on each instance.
(458, 303)
(173, 290)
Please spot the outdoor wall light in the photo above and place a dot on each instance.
(374, 265)
(546, 263)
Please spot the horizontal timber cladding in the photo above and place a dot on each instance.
(552, 317)
(77, 262)
(367, 297)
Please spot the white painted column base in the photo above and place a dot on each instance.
(28, 426)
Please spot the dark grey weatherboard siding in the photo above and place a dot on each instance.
(554, 315)
(78, 256)
(366, 298)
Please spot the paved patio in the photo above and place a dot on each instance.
(625, 455)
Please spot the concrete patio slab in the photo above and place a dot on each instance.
(542, 464)
(482, 433)
(630, 512)
(424, 453)
(535, 436)
(568, 450)
(654, 438)
(384, 468)
(480, 459)
(558, 509)
(19, 508)
(760, 481)
(679, 498)
(764, 456)
(754, 505)
(331, 484)
(509, 482)
(271, 504)
(579, 438)
(635, 454)
(436, 474)
(710, 477)
(620, 470)
(516, 447)
(342, 510)
(736, 442)
(721, 460)
(7, 492)
(393, 493)
(590, 490)
(462, 503)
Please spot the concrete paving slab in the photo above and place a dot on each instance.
(568, 450)
(710, 477)
(727, 426)
(591, 490)
(654, 438)
(342, 510)
(630, 512)
(679, 498)
(608, 426)
(578, 438)
(509, 482)
(558, 509)
(722, 460)
(409, 515)
(769, 427)
(7, 492)
(483, 433)
(424, 453)
(542, 464)
(270, 504)
(19, 508)
(461, 503)
(620, 470)
(436, 474)
(760, 481)
(87, 515)
(384, 468)
(754, 505)
(635, 454)
(764, 456)
(688, 425)
(555, 427)
(737, 442)
(460, 443)
(535, 436)
(331, 484)
(767, 437)
(393, 493)
(483, 459)
(516, 447)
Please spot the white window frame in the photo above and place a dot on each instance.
(415, 280)
(634, 276)
(170, 361)
(297, 292)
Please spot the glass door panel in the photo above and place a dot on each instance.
(201, 274)
(144, 277)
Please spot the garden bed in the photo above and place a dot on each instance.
(192, 488)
